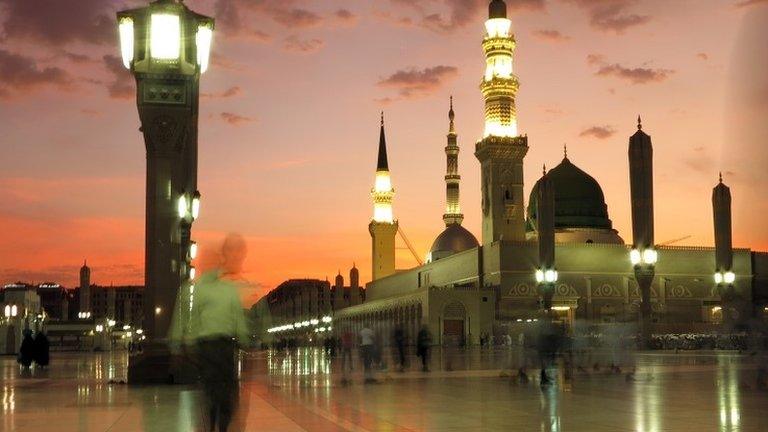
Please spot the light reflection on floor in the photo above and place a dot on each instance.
(301, 390)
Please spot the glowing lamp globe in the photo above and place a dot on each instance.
(650, 256)
(196, 205)
(718, 278)
(729, 277)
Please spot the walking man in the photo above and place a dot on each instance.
(214, 331)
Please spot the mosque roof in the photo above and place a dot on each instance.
(455, 238)
(579, 199)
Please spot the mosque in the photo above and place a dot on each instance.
(469, 287)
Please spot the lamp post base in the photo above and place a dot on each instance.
(644, 277)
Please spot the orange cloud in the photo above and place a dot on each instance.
(599, 132)
(414, 82)
(551, 36)
(638, 75)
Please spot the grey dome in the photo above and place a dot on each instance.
(455, 238)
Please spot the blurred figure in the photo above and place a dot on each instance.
(399, 337)
(347, 344)
(522, 358)
(27, 350)
(367, 352)
(213, 330)
(547, 346)
(423, 345)
(41, 352)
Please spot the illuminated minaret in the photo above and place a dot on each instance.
(383, 227)
(452, 178)
(501, 151)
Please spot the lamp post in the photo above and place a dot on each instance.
(166, 46)
(546, 275)
(644, 264)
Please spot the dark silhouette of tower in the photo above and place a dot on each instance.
(85, 288)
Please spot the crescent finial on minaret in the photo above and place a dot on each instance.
(565, 151)
(639, 123)
(382, 117)
(721, 176)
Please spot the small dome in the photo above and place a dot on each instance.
(454, 239)
(579, 199)
(497, 9)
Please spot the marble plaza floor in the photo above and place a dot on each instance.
(466, 391)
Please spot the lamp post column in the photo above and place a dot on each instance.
(166, 46)
(644, 275)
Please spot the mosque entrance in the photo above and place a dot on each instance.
(454, 315)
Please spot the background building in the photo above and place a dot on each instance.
(70, 317)
(306, 300)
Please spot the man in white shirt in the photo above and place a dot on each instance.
(366, 352)
(209, 322)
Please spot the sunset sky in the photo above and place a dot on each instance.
(290, 116)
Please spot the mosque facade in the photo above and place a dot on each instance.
(469, 287)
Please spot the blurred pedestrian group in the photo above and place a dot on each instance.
(34, 350)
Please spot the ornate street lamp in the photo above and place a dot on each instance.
(167, 47)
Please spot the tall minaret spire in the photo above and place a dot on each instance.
(502, 149)
(382, 192)
(383, 227)
(452, 178)
(499, 84)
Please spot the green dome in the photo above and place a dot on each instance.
(579, 200)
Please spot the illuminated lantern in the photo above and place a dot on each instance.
(165, 35)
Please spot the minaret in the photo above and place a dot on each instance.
(501, 151)
(85, 288)
(383, 227)
(452, 178)
(643, 255)
(354, 277)
(721, 208)
(641, 185)
(355, 294)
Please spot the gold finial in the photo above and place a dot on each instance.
(382, 118)
(721, 176)
(451, 116)
(565, 151)
(639, 123)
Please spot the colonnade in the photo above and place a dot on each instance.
(383, 322)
